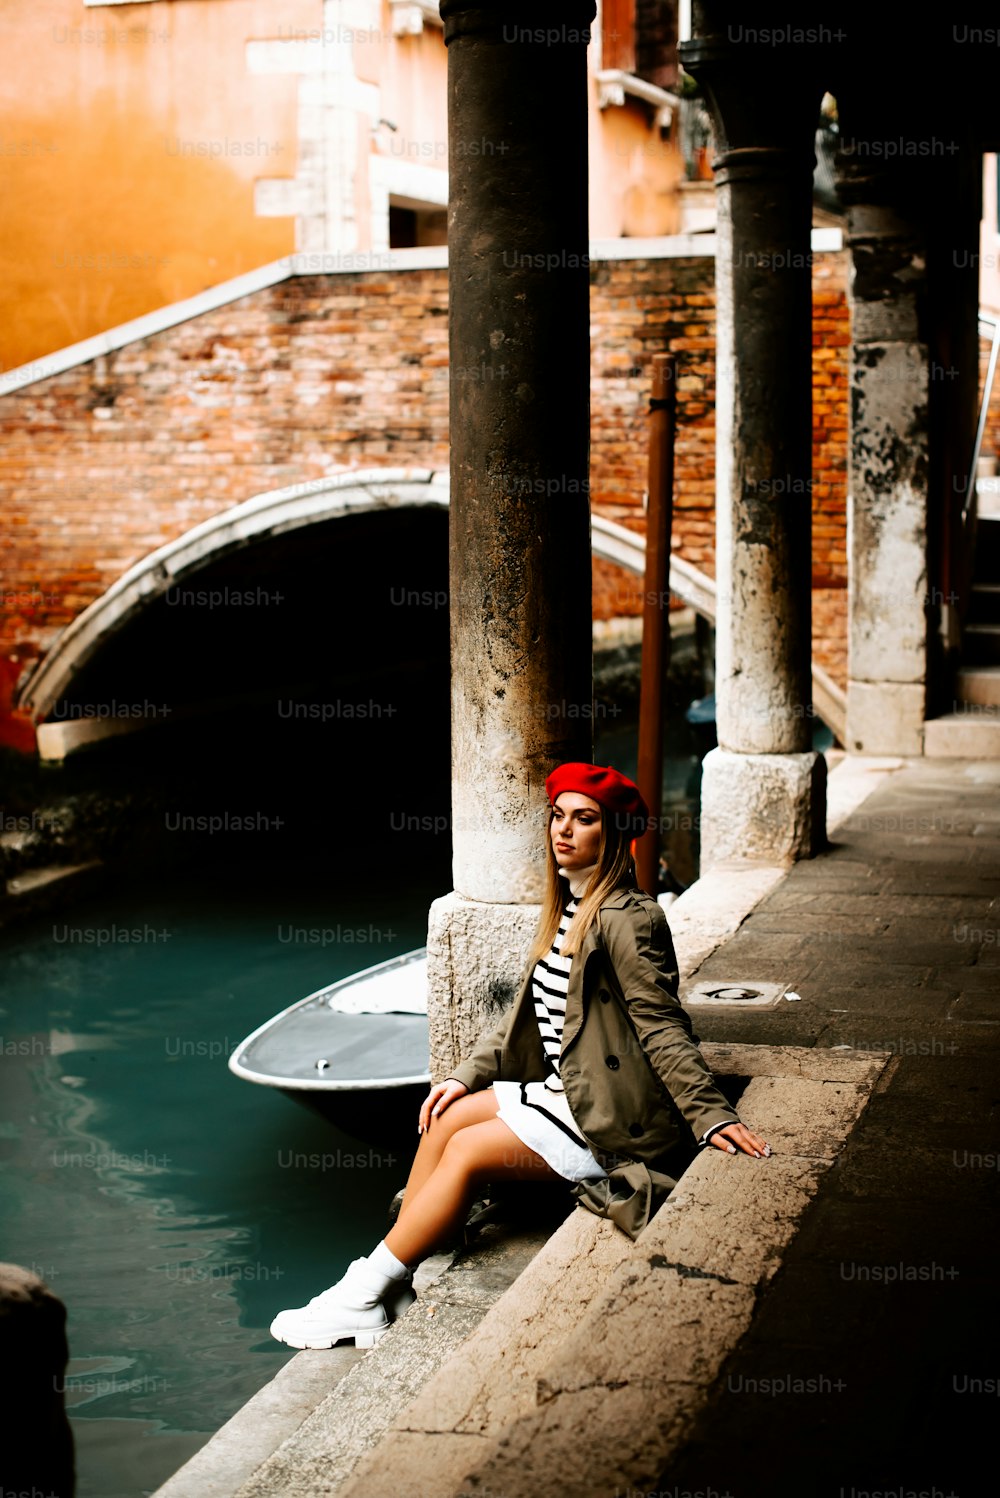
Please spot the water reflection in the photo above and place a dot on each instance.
(174, 1208)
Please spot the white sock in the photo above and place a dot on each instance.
(384, 1260)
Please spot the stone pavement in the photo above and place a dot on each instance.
(871, 1365)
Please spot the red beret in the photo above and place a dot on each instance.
(602, 783)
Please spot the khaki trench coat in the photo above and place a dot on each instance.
(635, 1080)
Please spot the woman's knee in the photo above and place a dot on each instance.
(464, 1113)
(467, 1153)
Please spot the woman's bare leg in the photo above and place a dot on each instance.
(362, 1303)
(473, 1154)
(476, 1107)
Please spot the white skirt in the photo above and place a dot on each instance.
(542, 1120)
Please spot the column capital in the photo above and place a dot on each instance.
(757, 101)
(763, 164)
(864, 178)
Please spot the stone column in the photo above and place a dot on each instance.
(953, 415)
(520, 518)
(763, 788)
(888, 456)
(37, 1452)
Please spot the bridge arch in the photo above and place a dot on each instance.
(270, 514)
(266, 515)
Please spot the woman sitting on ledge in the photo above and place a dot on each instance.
(594, 1075)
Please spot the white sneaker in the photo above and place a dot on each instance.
(350, 1311)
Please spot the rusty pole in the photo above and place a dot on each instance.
(656, 611)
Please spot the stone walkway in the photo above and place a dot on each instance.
(871, 1365)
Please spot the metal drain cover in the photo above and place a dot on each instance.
(737, 993)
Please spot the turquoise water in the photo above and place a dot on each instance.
(173, 1207)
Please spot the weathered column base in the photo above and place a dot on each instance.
(886, 717)
(475, 953)
(763, 806)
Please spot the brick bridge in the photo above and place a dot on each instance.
(239, 422)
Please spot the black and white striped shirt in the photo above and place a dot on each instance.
(549, 985)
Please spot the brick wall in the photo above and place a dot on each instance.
(103, 463)
(641, 307)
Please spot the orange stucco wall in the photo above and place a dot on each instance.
(633, 173)
(131, 137)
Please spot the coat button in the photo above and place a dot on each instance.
(605, 998)
(635, 1130)
(612, 1063)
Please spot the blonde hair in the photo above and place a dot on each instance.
(615, 867)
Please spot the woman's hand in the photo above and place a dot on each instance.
(736, 1137)
(438, 1099)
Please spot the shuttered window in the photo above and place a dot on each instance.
(618, 35)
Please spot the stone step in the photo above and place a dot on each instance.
(320, 1455)
(586, 1376)
(255, 1432)
(987, 562)
(972, 734)
(984, 604)
(988, 497)
(980, 644)
(978, 684)
(305, 1430)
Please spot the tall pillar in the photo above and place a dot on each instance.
(38, 1441)
(953, 339)
(520, 513)
(888, 456)
(763, 788)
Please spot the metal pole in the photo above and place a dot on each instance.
(656, 611)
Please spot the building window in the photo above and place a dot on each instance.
(415, 227)
(618, 35)
(639, 55)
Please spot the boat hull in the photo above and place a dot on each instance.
(385, 1117)
(356, 1052)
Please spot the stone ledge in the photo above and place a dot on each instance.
(322, 1452)
(713, 909)
(34, 890)
(622, 1340)
(727, 1059)
(246, 1441)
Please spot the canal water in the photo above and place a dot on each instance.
(174, 1208)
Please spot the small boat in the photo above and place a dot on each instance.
(357, 1051)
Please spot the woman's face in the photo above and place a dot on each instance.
(575, 830)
